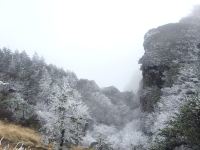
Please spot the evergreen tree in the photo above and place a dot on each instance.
(183, 129)
(64, 116)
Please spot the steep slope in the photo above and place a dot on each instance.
(170, 68)
(118, 97)
(107, 107)
(56, 102)
(12, 135)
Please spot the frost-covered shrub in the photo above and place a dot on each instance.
(183, 129)
(128, 138)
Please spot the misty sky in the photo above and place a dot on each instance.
(99, 40)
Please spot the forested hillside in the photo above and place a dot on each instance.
(56, 103)
(70, 112)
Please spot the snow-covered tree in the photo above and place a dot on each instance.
(13, 102)
(65, 116)
(183, 129)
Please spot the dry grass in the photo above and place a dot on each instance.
(17, 135)
(14, 134)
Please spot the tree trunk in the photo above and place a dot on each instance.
(62, 139)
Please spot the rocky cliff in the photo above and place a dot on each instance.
(171, 70)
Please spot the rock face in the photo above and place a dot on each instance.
(171, 69)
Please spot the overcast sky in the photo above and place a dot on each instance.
(99, 40)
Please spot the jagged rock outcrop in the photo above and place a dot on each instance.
(171, 70)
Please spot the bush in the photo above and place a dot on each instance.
(183, 129)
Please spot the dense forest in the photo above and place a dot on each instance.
(67, 111)
(58, 104)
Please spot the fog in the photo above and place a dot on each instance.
(99, 40)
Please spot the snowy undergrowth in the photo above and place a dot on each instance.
(128, 137)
